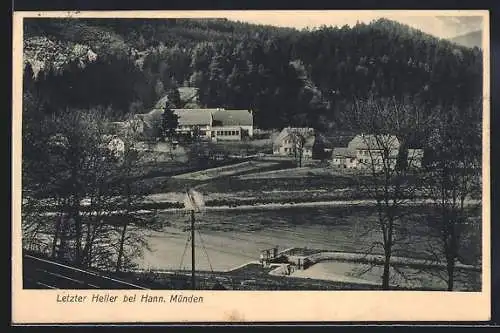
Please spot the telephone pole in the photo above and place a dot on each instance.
(193, 202)
(193, 286)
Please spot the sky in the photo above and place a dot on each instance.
(439, 24)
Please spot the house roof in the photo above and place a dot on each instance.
(308, 133)
(194, 116)
(371, 142)
(202, 117)
(343, 152)
(186, 94)
(150, 117)
(233, 117)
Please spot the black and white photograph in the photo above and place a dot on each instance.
(254, 152)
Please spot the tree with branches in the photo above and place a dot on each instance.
(298, 140)
(453, 182)
(388, 176)
(131, 225)
(169, 123)
(72, 204)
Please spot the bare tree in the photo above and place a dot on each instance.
(79, 152)
(85, 183)
(38, 180)
(131, 198)
(116, 228)
(298, 141)
(388, 176)
(453, 180)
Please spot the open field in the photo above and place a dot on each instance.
(293, 173)
(186, 176)
(228, 170)
(245, 148)
(279, 184)
(284, 177)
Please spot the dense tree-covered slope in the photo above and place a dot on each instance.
(288, 77)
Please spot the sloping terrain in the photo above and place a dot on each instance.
(470, 39)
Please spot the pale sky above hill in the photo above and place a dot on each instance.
(440, 24)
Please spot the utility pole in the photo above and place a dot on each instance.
(193, 286)
(193, 202)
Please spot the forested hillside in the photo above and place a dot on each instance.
(288, 77)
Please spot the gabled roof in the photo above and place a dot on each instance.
(186, 94)
(233, 117)
(343, 152)
(308, 133)
(194, 116)
(150, 117)
(372, 142)
(304, 131)
(202, 117)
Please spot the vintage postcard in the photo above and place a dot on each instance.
(250, 166)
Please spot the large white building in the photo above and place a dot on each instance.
(211, 124)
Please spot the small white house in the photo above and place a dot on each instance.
(344, 158)
(293, 139)
(366, 151)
